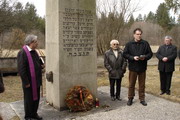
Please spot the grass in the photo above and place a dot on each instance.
(13, 89)
(152, 82)
(13, 86)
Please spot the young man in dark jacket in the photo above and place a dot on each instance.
(166, 55)
(138, 52)
(116, 66)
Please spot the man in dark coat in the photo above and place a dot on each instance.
(138, 52)
(166, 55)
(29, 68)
(116, 66)
(1, 84)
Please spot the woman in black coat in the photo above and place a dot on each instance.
(166, 54)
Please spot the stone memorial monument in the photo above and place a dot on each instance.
(70, 48)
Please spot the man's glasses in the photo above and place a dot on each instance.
(138, 34)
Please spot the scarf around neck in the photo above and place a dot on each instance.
(32, 72)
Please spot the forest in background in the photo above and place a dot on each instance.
(114, 21)
(118, 22)
(16, 21)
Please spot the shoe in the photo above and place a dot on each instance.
(168, 93)
(37, 117)
(113, 98)
(162, 93)
(118, 98)
(143, 103)
(28, 119)
(130, 101)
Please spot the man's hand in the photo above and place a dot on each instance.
(27, 86)
(165, 59)
(142, 58)
(136, 58)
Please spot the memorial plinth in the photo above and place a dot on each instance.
(70, 48)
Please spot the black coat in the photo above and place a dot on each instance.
(1, 84)
(115, 66)
(171, 54)
(132, 49)
(23, 68)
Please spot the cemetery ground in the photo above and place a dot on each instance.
(13, 86)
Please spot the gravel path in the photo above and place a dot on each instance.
(157, 109)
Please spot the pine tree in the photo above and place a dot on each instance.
(173, 4)
(131, 21)
(163, 19)
(139, 18)
(151, 17)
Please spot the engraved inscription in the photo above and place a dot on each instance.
(78, 34)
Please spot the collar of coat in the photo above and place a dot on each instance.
(141, 41)
(118, 50)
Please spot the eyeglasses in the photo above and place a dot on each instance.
(138, 34)
(115, 44)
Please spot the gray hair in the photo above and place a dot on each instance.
(29, 39)
(113, 42)
(168, 37)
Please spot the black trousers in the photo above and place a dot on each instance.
(118, 87)
(165, 79)
(30, 106)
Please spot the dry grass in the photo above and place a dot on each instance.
(152, 82)
(13, 87)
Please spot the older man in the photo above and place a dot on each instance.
(166, 55)
(116, 66)
(29, 67)
(138, 52)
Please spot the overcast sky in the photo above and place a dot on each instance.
(146, 5)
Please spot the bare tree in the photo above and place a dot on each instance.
(112, 18)
(12, 40)
(175, 35)
(153, 33)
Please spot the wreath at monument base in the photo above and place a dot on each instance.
(79, 99)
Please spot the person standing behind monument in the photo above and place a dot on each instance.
(138, 52)
(116, 66)
(29, 68)
(166, 55)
